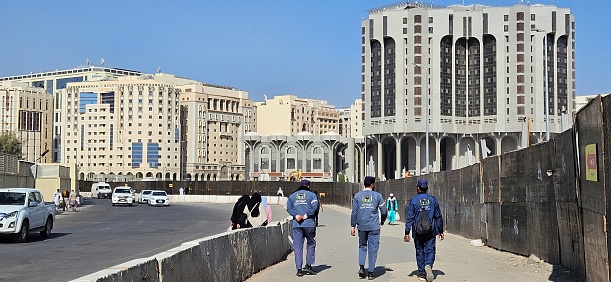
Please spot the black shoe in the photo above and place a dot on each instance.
(370, 276)
(362, 271)
(299, 273)
(308, 270)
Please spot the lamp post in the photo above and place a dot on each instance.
(426, 108)
(545, 82)
(36, 166)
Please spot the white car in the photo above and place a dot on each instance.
(122, 195)
(159, 198)
(144, 196)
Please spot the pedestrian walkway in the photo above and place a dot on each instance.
(457, 260)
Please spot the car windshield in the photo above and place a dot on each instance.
(12, 198)
(119, 190)
(159, 194)
(146, 192)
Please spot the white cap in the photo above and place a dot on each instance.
(392, 195)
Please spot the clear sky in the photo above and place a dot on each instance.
(311, 49)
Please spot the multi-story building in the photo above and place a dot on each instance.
(123, 128)
(27, 111)
(351, 120)
(55, 80)
(214, 121)
(289, 115)
(483, 73)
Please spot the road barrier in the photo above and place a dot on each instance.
(230, 256)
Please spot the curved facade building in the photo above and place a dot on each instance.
(484, 70)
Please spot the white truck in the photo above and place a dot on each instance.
(101, 190)
(22, 211)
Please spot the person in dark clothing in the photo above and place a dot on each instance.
(425, 243)
(238, 217)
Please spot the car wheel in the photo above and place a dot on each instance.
(23, 234)
(113, 204)
(46, 233)
(130, 204)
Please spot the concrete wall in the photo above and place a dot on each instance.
(229, 256)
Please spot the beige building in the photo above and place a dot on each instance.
(27, 111)
(51, 81)
(351, 120)
(125, 128)
(214, 120)
(289, 115)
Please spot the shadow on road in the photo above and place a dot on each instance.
(321, 268)
(436, 273)
(562, 274)
(34, 238)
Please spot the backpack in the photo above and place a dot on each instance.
(424, 226)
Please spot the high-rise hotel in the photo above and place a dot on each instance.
(485, 69)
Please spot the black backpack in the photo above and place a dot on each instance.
(424, 226)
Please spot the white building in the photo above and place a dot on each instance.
(479, 71)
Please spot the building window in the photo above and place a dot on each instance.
(506, 18)
(264, 163)
(290, 163)
(317, 164)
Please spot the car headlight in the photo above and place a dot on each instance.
(11, 214)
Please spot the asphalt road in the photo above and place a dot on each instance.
(99, 236)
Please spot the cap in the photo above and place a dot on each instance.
(422, 183)
(369, 180)
(392, 195)
(304, 182)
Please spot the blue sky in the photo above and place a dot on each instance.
(308, 48)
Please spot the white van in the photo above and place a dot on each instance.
(101, 190)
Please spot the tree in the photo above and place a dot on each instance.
(341, 177)
(10, 144)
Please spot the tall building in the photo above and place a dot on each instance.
(351, 120)
(289, 115)
(124, 128)
(214, 121)
(481, 72)
(27, 111)
(55, 80)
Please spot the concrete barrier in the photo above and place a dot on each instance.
(230, 256)
(220, 199)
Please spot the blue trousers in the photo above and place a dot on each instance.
(300, 234)
(425, 251)
(369, 243)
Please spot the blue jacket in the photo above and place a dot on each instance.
(367, 206)
(303, 201)
(431, 207)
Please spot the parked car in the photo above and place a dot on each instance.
(22, 211)
(144, 196)
(122, 195)
(159, 198)
(101, 190)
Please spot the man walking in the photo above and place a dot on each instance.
(301, 205)
(367, 206)
(425, 218)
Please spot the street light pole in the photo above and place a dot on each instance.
(545, 81)
(36, 166)
(426, 108)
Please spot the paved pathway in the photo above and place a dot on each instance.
(457, 260)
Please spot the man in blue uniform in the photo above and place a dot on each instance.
(302, 205)
(367, 206)
(425, 243)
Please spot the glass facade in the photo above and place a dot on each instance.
(87, 98)
(152, 154)
(136, 154)
(62, 82)
(109, 98)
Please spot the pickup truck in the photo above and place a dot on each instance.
(22, 211)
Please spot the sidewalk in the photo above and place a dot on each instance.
(457, 260)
